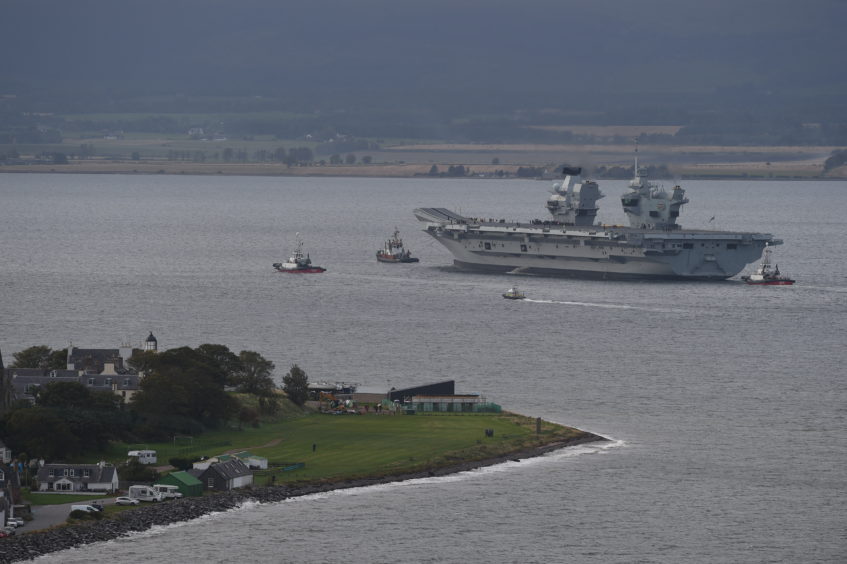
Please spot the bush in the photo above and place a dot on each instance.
(84, 515)
(181, 463)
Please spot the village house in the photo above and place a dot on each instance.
(223, 476)
(5, 454)
(253, 461)
(101, 477)
(104, 370)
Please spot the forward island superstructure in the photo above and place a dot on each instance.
(653, 246)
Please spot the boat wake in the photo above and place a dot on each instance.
(606, 306)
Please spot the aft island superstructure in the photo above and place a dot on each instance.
(653, 246)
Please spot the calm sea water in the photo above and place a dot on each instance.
(726, 403)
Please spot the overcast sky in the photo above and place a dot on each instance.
(509, 50)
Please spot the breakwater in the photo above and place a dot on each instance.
(32, 545)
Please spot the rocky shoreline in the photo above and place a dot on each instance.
(33, 545)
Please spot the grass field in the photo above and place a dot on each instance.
(349, 446)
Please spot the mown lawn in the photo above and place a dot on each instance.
(365, 445)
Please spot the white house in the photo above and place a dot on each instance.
(99, 477)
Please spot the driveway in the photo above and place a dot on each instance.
(45, 516)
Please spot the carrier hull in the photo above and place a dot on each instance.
(599, 252)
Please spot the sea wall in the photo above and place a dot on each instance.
(31, 545)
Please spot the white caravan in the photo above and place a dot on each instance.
(144, 493)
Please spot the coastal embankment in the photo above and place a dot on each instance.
(38, 543)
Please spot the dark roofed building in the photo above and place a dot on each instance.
(94, 361)
(405, 395)
(224, 476)
(78, 477)
(25, 381)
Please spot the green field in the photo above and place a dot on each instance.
(348, 446)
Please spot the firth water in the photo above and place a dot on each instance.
(725, 403)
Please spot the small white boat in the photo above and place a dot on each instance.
(514, 294)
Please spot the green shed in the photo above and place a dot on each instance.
(188, 485)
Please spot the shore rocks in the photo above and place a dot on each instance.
(31, 545)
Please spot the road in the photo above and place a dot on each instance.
(45, 516)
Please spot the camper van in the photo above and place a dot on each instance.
(144, 456)
(167, 491)
(144, 493)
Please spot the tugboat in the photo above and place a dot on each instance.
(514, 294)
(393, 250)
(298, 263)
(766, 275)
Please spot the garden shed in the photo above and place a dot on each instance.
(188, 485)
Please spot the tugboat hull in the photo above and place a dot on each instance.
(381, 257)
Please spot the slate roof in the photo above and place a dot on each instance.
(231, 469)
(93, 360)
(97, 473)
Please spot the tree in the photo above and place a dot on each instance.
(181, 390)
(367, 159)
(433, 170)
(335, 159)
(296, 385)
(71, 395)
(133, 470)
(41, 433)
(33, 357)
(255, 374)
(227, 362)
(350, 158)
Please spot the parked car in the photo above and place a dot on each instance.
(15, 521)
(86, 508)
(123, 500)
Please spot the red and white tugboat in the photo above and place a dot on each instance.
(393, 251)
(766, 275)
(298, 263)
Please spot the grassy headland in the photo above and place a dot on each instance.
(369, 446)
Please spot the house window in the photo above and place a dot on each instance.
(86, 473)
(210, 483)
(65, 472)
(126, 381)
(91, 381)
(52, 473)
(71, 472)
(523, 248)
(487, 246)
(108, 381)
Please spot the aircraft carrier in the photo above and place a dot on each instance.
(653, 246)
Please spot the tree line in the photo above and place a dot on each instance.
(182, 391)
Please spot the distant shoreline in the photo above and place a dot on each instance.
(405, 170)
(32, 545)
